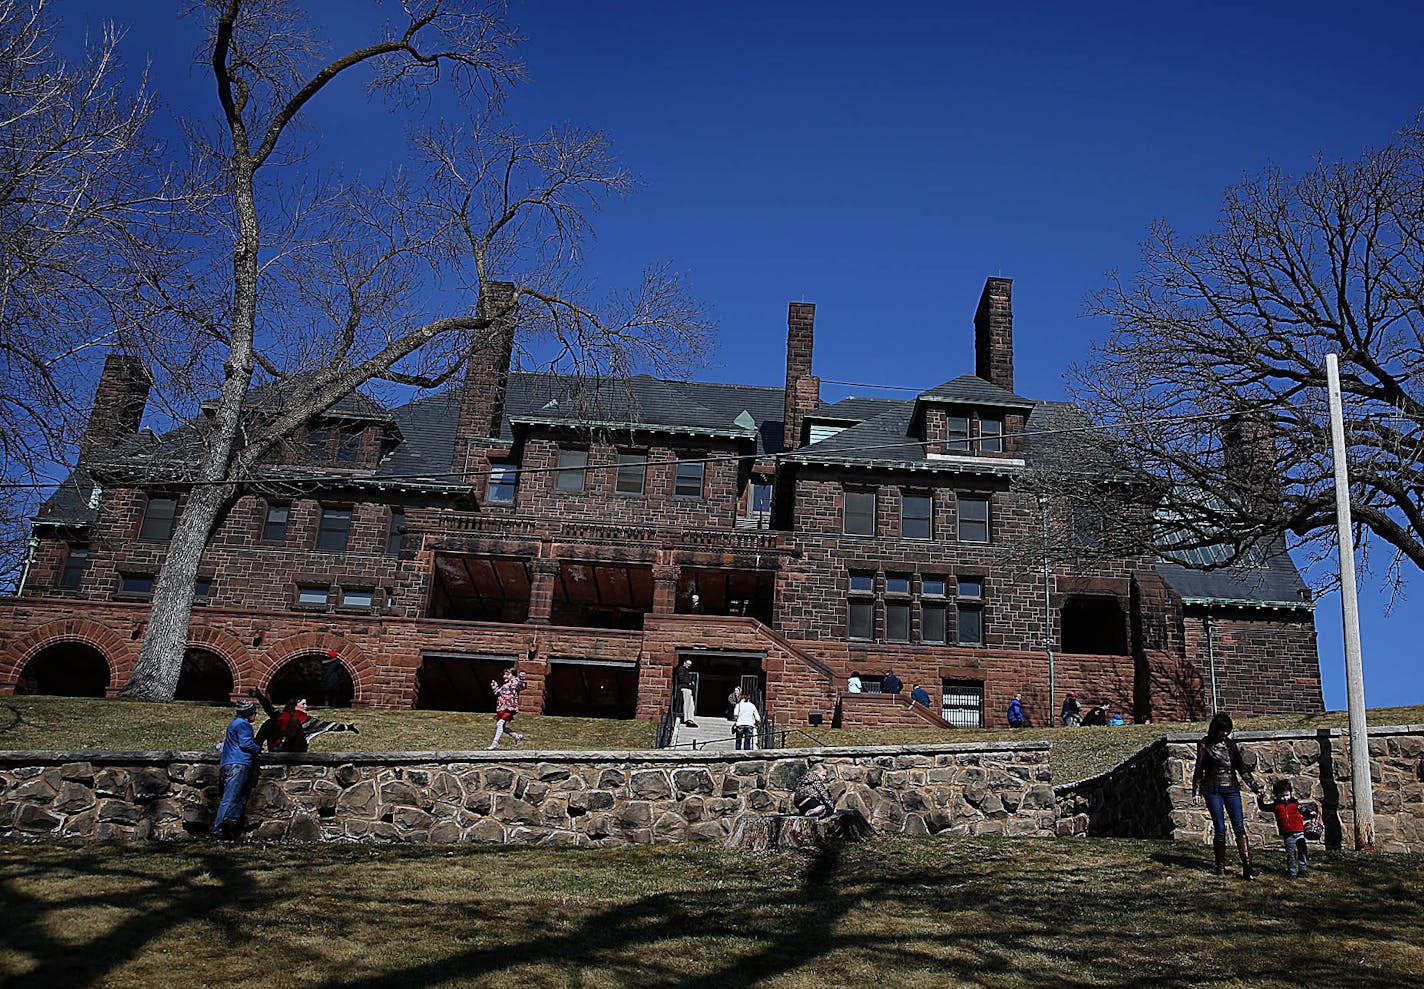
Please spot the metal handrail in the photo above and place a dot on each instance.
(662, 734)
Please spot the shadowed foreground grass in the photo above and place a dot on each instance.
(81, 723)
(915, 913)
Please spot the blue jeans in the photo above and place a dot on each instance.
(234, 795)
(1295, 853)
(744, 736)
(1219, 800)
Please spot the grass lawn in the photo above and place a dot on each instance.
(901, 912)
(77, 724)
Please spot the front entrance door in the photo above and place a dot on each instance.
(719, 672)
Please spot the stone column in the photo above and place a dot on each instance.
(541, 590)
(665, 589)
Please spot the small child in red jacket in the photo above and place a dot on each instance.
(1290, 822)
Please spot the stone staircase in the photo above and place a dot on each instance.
(712, 733)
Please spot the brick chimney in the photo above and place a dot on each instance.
(1251, 459)
(118, 404)
(994, 333)
(803, 389)
(487, 376)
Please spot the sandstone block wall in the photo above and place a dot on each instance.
(594, 799)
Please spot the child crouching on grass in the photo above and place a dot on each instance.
(1290, 822)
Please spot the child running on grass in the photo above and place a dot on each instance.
(1290, 822)
(506, 706)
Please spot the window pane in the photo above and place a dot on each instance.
(897, 622)
(971, 587)
(393, 536)
(334, 529)
(932, 586)
(860, 513)
(862, 620)
(991, 435)
(311, 595)
(274, 528)
(348, 447)
(318, 443)
(761, 496)
(632, 468)
(571, 470)
(689, 479)
(932, 623)
(971, 625)
(915, 517)
(958, 436)
(202, 588)
(356, 599)
(973, 519)
(897, 585)
(158, 520)
(137, 585)
(862, 582)
(74, 565)
(502, 479)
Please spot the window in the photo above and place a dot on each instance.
(761, 497)
(356, 599)
(310, 594)
(932, 623)
(897, 621)
(136, 584)
(991, 435)
(570, 475)
(318, 444)
(897, 585)
(861, 618)
(971, 611)
(688, 483)
(962, 703)
(348, 446)
(334, 529)
(502, 478)
(957, 436)
(74, 564)
(915, 510)
(859, 513)
(158, 516)
(274, 527)
(632, 468)
(393, 534)
(202, 588)
(932, 587)
(973, 518)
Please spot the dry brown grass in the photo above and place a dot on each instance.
(914, 913)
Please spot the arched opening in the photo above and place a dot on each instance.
(1094, 624)
(454, 681)
(322, 679)
(205, 677)
(68, 669)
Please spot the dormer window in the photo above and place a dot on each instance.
(957, 437)
(318, 444)
(348, 446)
(991, 435)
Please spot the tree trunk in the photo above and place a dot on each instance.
(165, 640)
(761, 833)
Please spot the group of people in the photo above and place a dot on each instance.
(1099, 714)
(741, 711)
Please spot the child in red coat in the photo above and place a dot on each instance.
(1290, 822)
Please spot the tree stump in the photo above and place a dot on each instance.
(762, 833)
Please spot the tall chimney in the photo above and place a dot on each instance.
(118, 404)
(487, 376)
(1251, 459)
(994, 333)
(803, 389)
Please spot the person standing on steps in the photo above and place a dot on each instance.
(747, 718)
(853, 685)
(684, 680)
(1217, 779)
(890, 683)
(506, 706)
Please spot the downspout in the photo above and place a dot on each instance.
(1048, 615)
(31, 546)
(1210, 658)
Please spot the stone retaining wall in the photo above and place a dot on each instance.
(1150, 794)
(607, 798)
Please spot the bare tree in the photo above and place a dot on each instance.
(79, 192)
(323, 284)
(1212, 384)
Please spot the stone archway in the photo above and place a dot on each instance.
(66, 669)
(206, 676)
(322, 679)
(351, 677)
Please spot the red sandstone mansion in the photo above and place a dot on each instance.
(401, 557)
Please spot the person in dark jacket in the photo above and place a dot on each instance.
(890, 683)
(1016, 715)
(235, 768)
(1097, 717)
(684, 681)
(292, 728)
(1072, 711)
(1217, 779)
(919, 696)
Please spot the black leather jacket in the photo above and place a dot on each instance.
(1218, 765)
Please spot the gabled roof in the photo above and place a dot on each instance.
(970, 389)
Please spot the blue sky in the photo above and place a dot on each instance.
(881, 159)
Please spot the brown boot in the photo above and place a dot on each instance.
(1243, 846)
(1219, 847)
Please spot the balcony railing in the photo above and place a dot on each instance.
(747, 540)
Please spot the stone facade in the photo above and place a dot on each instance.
(591, 799)
(1150, 795)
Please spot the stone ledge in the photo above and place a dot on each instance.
(1296, 733)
